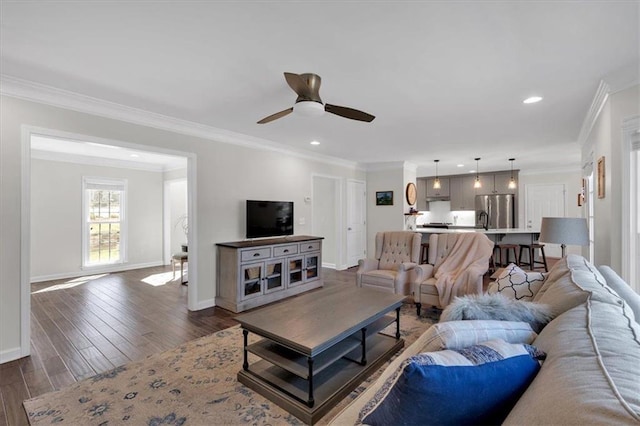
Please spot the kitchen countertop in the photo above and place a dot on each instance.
(488, 231)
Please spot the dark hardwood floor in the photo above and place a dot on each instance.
(85, 326)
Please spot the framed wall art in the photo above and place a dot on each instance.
(384, 198)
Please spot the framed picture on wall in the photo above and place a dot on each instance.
(601, 177)
(384, 198)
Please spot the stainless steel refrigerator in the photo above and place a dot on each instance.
(495, 211)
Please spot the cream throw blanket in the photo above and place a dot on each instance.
(458, 273)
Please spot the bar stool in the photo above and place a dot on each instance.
(503, 254)
(532, 258)
(424, 253)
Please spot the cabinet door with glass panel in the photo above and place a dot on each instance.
(274, 277)
(251, 280)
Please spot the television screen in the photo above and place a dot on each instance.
(269, 218)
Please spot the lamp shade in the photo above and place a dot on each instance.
(564, 230)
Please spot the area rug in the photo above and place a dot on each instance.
(192, 384)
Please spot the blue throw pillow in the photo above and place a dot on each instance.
(476, 385)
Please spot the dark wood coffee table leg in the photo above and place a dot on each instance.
(398, 324)
(363, 361)
(245, 364)
(310, 401)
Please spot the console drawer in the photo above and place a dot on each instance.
(285, 250)
(253, 254)
(309, 246)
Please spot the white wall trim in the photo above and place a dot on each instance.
(25, 243)
(11, 355)
(97, 161)
(192, 237)
(35, 92)
(387, 165)
(630, 127)
(209, 303)
(599, 99)
(339, 232)
(109, 269)
(329, 265)
(554, 170)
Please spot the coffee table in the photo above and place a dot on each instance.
(316, 348)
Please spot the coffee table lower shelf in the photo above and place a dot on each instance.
(331, 385)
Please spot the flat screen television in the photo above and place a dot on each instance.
(269, 218)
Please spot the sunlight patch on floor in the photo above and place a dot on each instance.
(160, 279)
(71, 283)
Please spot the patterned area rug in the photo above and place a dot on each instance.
(194, 383)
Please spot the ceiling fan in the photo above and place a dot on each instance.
(308, 102)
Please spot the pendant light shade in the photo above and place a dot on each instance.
(476, 183)
(512, 181)
(436, 182)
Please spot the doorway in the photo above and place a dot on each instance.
(29, 134)
(326, 214)
(356, 222)
(544, 200)
(630, 202)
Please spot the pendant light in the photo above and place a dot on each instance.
(477, 183)
(436, 182)
(512, 181)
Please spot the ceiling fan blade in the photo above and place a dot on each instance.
(297, 83)
(276, 116)
(351, 113)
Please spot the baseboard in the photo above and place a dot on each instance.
(98, 270)
(328, 265)
(209, 303)
(10, 355)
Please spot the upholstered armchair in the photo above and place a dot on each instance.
(456, 265)
(396, 256)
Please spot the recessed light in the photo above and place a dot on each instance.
(134, 155)
(460, 165)
(315, 143)
(472, 171)
(532, 100)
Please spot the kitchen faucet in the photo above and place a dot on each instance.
(483, 218)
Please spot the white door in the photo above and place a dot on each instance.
(544, 200)
(356, 222)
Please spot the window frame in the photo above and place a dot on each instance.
(87, 183)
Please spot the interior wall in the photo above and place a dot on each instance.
(57, 222)
(389, 177)
(605, 140)
(227, 175)
(325, 217)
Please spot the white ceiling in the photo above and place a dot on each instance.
(445, 80)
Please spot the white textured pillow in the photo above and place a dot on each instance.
(460, 334)
(518, 284)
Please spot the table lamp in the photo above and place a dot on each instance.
(563, 231)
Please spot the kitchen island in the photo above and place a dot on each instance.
(507, 235)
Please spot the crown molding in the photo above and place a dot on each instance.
(386, 165)
(98, 161)
(40, 93)
(599, 99)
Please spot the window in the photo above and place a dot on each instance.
(104, 221)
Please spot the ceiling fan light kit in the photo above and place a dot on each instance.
(308, 102)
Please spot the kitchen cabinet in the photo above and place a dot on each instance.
(462, 193)
(443, 191)
(421, 186)
(496, 183)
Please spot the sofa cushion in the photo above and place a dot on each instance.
(571, 281)
(623, 289)
(517, 284)
(476, 385)
(591, 374)
(461, 334)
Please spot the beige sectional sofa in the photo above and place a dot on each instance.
(592, 371)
